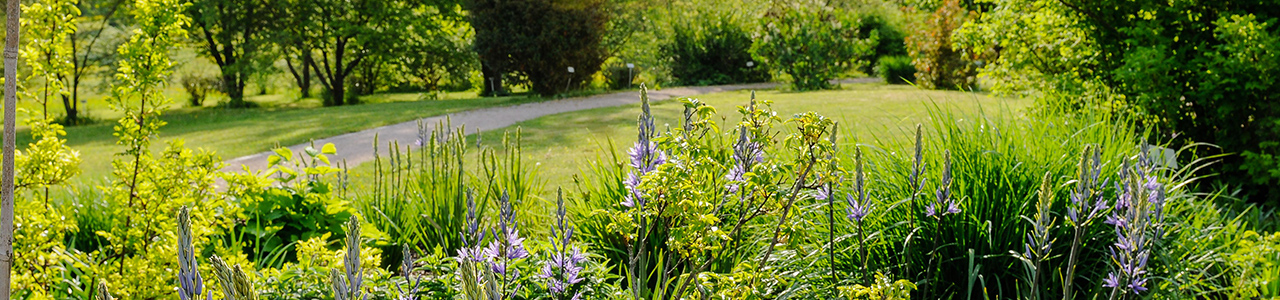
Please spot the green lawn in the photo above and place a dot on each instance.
(236, 132)
(563, 145)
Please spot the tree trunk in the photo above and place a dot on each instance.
(12, 26)
(338, 92)
(234, 87)
(305, 83)
(73, 112)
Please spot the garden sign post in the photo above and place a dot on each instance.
(12, 13)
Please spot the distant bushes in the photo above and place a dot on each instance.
(896, 69)
(812, 43)
(713, 50)
(938, 64)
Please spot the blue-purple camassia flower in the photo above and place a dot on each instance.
(190, 284)
(858, 210)
(645, 156)
(473, 235)
(507, 244)
(1138, 219)
(565, 263)
(943, 203)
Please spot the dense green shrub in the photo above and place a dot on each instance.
(713, 49)
(812, 43)
(889, 35)
(939, 63)
(1203, 71)
(896, 69)
(539, 40)
(297, 205)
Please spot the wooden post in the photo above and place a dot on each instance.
(13, 13)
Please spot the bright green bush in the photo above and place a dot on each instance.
(296, 206)
(812, 43)
(713, 49)
(896, 69)
(1257, 263)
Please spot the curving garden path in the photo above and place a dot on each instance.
(357, 147)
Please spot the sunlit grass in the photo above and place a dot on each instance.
(562, 145)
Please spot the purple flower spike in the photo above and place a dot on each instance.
(561, 269)
(1111, 281)
(858, 211)
(953, 208)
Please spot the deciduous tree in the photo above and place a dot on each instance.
(234, 34)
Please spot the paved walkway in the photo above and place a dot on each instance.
(357, 147)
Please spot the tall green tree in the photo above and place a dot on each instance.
(539, 40)
(342, 35)
(234, 33)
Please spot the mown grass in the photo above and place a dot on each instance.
(564, 144)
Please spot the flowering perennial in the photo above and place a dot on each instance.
(1138, 217)
(562, 269)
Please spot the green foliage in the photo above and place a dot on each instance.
(342, 41)
(48, 24)
(296, 206)
(711, 199)
(713, 49)
(198, 87)
(539, 40)
(884, 288)
(994, 175)
(308, 278)
(419, 198)
(1194, 68)
(886, 24)
(812, 43)
(436, 51)
(939, 63)
(1257, 261)
(48, 161)
(896, 69)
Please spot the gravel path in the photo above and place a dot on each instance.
(357, 147)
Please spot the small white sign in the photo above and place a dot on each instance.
(629, 66)
(570, 69)
(751, 64)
